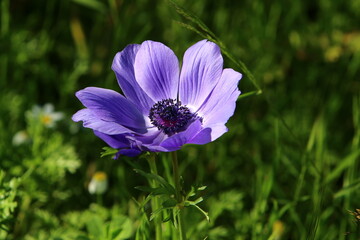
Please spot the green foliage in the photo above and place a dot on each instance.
(8, 192)
(108, 151)
(93, 224)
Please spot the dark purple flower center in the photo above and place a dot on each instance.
(170, 116)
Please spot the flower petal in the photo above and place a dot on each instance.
(217, 130)
(123, 66)
(209, 134)
(220, 105)
(112, 107)
(176, 141)
(150, 140)
(203, 137)
(152, 137)
(48, 108)
(56, 116)
(114, 141)
(90, 120)
(157, 70)
(128, 152)
(201, 70)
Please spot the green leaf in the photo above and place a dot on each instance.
(150, 176)
(201, 188)
(168, 218)
(153, 191)
(156, 212)
(194, 190)
(343, 165)
(95, 227)
(120, 228)
(108, 151)
(248, 94)
(192, 203)
(169, 203)
(203, 212)
(348, 189)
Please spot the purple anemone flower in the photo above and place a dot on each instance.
(162, 108)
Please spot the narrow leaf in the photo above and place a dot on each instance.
(158, 179)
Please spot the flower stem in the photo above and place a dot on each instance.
(99, 199)
(179, 197)
(155, 204)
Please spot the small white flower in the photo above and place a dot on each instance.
(21, 137)
(46, 115)
(98, 183)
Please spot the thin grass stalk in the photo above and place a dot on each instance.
(155, 204)
(179, 199)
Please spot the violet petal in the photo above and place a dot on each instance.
(209, 134)
(157, 70)
(201, 70)
(220, 105)
(128, 152)
(177, 140)
(114, 141)
(90, 120)
(123, 66)
(111, 106)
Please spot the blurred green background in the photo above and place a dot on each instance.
(287, 169)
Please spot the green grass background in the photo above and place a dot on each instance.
(291, 153)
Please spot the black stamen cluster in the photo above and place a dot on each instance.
(170, 116)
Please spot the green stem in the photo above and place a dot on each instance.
(179, 198)
(99, 199)
(155, 204)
